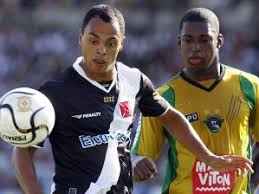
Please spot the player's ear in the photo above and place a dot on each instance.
(220, 41)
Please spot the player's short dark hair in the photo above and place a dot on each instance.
(105, 12)
(200, 15)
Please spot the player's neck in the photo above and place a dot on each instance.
(105, 77)
(100, 77)
(213, 72)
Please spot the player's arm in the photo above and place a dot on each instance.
(182, 130)
(25, 171)
(148, 143)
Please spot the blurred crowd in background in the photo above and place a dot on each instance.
(39, 38)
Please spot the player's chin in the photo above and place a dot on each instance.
(196, 67)
(201, 63)
(100, 66)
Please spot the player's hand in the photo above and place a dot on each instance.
(239, 164)
(144, 169)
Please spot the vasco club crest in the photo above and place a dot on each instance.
(214, 123)
(125, 109)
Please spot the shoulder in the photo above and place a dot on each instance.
(133, 75)
(242, 75)
(124, 69)
(56, 84)
(169, 85)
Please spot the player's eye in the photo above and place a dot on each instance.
(93, 41)
(206, 39)
(112, 44)
(186, 40)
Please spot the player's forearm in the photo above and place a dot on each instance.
(184, 133)
(25, 171)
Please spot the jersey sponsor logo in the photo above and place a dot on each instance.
(87, 115)
(208, 181)
(91, 141)
(125, 109)
(214, 123)
(192, 117)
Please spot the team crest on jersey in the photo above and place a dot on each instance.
(214, 123)
(125, 109)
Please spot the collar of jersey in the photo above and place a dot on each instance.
(81, 72)
(197, 84)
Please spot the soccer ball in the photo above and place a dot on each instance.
(27, 117)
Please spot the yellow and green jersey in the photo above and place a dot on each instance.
(223, 113)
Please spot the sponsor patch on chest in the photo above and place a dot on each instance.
(192, 117)
(91, 141)
(86, 115)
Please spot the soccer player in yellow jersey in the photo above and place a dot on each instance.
(221, 103)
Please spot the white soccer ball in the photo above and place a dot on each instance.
(27, 117)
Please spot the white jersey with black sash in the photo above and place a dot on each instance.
(91, 137)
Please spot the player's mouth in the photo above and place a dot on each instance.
(196, 61)
(99, 61)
